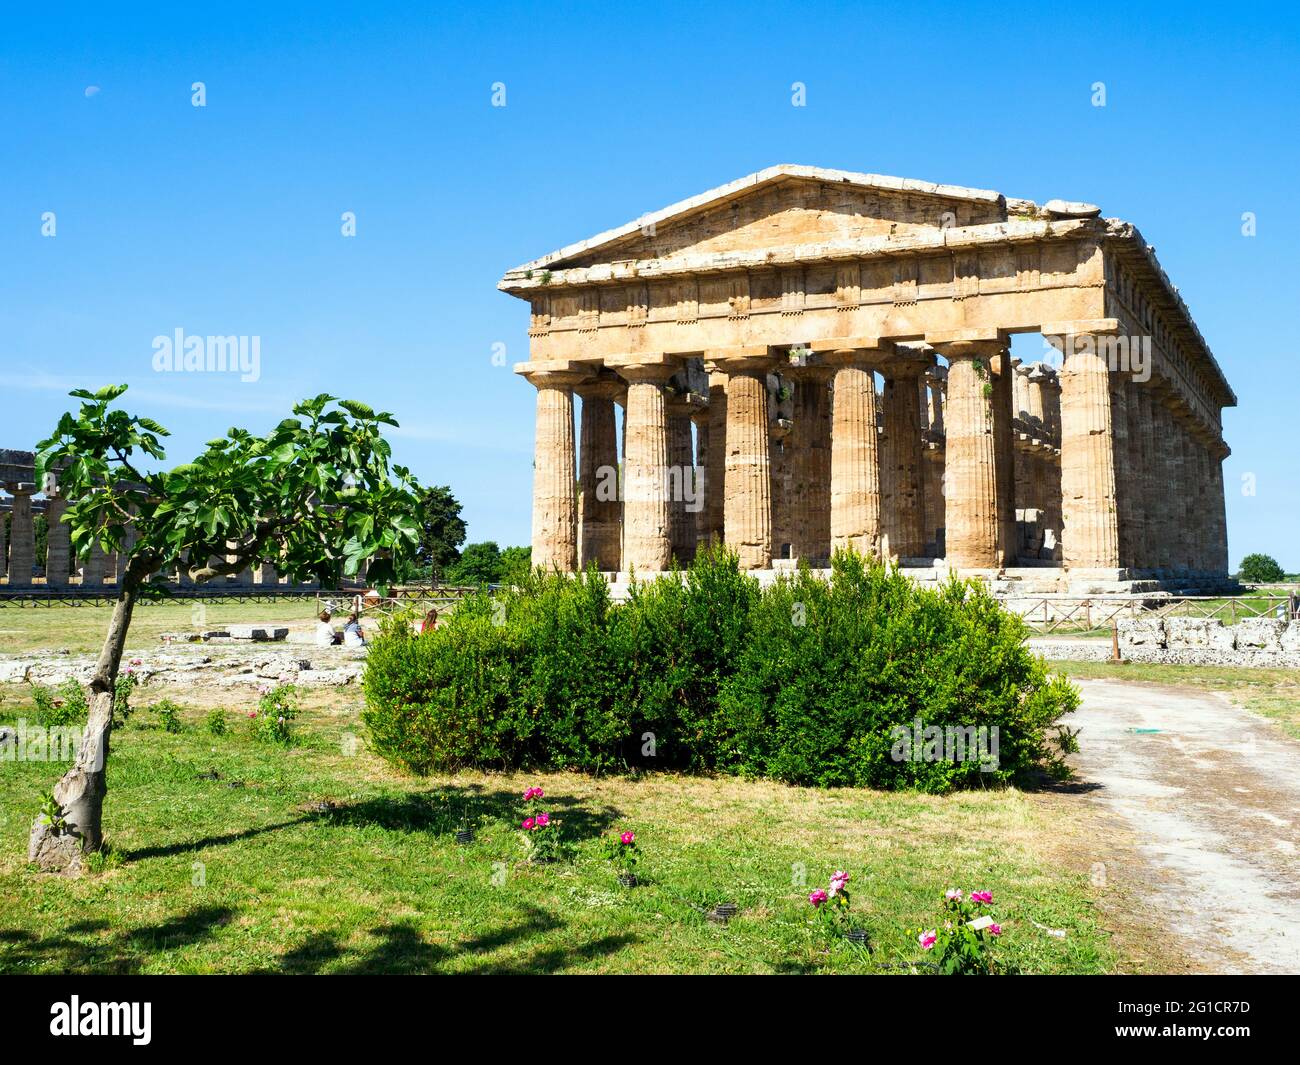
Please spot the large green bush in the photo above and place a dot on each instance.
(861, 680)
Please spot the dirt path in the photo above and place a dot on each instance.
(1210, 794)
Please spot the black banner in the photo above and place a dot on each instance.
(222, 1013)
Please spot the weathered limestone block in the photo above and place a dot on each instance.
(1142, 632)
(1199, 633)
(1260, 634)
(258, 633)
(1290, 639)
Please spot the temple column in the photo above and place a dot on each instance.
(786, 511)
(647, 546)
(1048, 389)
(93, 567)
(598, 475)
(1088, 495)
(700, 416)
(1003, 402)
(973, 531)
(267, 576)
(747, 514)
(1176, 509)
(812, 457)
(1202, 507)
(1170, 461)
(1040, 457)
(1123, 464)
(1051, 392)
(57, 546)
(22, 536)
(855, 458)
(1142, 440)
(1027, 453)
(1218, 505)
(555, 516)
(903, 501)
(681, 522)
(1191, 498)
(935, 455)
(715, 460)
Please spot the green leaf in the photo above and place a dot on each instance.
(357, 409)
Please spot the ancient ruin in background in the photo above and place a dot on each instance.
(63, 572)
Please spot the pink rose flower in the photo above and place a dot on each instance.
(543, 819)
(533, 793)
(981, 896)
(627, 837)
(528, 824)
(839, 879)
(818, 897)
(952, 894)
(995, 929)
(927, 939)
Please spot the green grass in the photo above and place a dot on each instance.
(1274, 693)
(379, 884)
(81, 629)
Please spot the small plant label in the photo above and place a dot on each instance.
(980, 923)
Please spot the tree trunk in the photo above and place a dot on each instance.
(80, 794)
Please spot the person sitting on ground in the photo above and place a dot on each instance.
(325, 634)
(352, 634)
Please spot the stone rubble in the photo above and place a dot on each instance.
(190, 664)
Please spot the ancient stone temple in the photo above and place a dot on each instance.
(807, 359)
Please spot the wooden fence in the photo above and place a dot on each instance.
(1052, 613)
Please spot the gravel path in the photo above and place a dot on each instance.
(1212, 794)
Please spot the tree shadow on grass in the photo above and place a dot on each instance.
(403, 949)
(446, 809)
(170, 850)
(123, 953)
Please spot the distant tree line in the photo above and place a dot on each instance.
(441, 558)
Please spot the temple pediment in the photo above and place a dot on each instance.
(782, 206)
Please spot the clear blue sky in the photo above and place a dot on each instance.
(226, 219)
